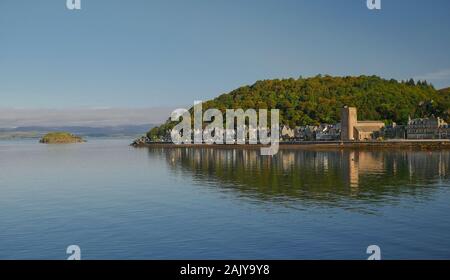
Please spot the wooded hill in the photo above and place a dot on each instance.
(311, 101)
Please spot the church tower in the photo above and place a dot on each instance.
(349, 119)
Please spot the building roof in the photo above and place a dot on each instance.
(367, 128)
(370, 122)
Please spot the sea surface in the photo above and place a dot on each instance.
(119, 202)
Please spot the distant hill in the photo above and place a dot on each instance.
(319, 99)
(445, 90)
(107, 131)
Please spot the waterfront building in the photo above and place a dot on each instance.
(427, 128)
(305, 133)
(445, 132)
(287, 133)
(393, 131)
(328, 132)
(352, 129)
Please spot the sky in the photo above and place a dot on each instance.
(167, 53)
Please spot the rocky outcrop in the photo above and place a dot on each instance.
(140, 141)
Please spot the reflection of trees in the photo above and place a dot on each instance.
(327, 176)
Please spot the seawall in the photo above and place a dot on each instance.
(332, 145)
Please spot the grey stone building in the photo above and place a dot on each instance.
(427, 128)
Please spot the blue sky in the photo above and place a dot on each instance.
(150, 53)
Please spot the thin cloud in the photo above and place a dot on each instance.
(94, 117)
(441, 75)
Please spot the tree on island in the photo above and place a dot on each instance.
(60, 138)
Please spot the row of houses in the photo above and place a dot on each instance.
(417, 129)
(352, 129)
(323, 132)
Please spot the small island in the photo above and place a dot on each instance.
(60, 138)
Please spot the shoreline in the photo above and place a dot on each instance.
(329, 145)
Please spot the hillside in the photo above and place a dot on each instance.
(319, 99)
(445, 90)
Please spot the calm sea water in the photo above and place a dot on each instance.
(118, 202)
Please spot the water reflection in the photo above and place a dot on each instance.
(344, 178)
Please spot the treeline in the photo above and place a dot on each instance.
(311, 101)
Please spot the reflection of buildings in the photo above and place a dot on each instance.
(353, 170)
(360, 163)
(319, 176)
(352, 129)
